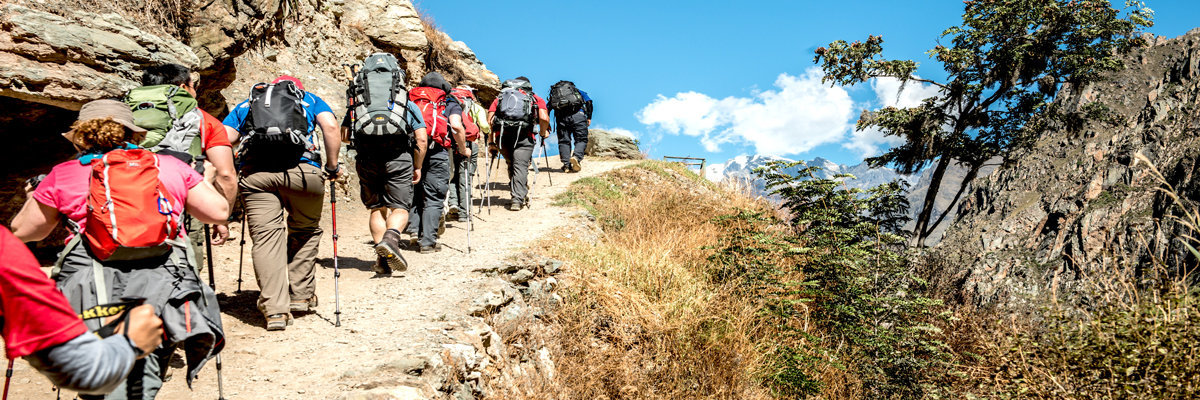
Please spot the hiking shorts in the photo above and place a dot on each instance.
(386, 183)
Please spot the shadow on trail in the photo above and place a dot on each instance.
(243, 306)
(347, 262)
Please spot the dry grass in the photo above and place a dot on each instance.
(439, 56)
(642, 318)
(168, 17)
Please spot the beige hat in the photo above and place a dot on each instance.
(117, 110)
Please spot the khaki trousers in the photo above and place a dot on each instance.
(284, 254)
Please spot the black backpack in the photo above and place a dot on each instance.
(275, 131)
(379, 98)
(515, 108)
(564, 97)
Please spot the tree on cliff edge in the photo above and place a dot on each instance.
(1005, 64)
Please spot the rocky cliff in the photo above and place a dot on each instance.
(1079, 207)
(56, 55)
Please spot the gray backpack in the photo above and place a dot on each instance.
(378, 97)
(515, 109)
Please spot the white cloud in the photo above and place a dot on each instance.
(617, 131)
(801, 114)
(870, 142)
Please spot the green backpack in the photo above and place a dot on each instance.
(170, 116)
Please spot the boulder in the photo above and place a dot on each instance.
(67, 61)
(606, 144)
(403, 30)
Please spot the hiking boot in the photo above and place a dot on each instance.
(452, 212)
(441, 226)
(381, 266)
(389, 249)
(431, 249)
(575, 167)
(515, 206)
(278, 322)
(462, 217)
(303, 305)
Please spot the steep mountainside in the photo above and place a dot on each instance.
(1079, 205)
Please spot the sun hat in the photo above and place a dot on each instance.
(118, 111)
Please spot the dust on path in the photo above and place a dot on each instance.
(383, 319)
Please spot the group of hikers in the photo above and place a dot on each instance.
(156, 181)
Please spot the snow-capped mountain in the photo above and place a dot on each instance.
(741, 168)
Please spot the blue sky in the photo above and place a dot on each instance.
(718, 79)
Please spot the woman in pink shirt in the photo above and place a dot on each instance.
(169, 282)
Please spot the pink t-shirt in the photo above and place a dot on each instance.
(66, 186)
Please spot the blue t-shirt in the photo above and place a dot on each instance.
(313, 105)
(571, 118)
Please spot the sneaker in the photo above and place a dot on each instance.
(575, 167)
(278, 322)
(303, 305)
(515, 206)
(381, 266)
(389, 249)
(462, 218)
(431, 249)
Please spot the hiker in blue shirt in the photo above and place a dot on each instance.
(572, 122)
(282, 172)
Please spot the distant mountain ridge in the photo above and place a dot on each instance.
(741, 169)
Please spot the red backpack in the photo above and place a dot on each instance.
(467, 99)
(432, 103)
(129, 209)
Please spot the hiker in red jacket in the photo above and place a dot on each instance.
(40, 326)
(443, 120)
(513, 116)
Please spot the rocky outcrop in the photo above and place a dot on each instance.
(1079, 208)
(607, 144)
(67, 61)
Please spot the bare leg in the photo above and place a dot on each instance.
(377, 224)
(397, 219)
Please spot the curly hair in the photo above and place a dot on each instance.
(101, 133)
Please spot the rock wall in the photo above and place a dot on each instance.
(1078, 207)
(55, 55)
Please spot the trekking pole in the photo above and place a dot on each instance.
(470, 199)
(337, 305)
(546, 157)
(488, 183)
(8, 378)
(242, 248)
(536, 168)
(212, 282)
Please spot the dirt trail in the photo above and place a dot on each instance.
(385, 320)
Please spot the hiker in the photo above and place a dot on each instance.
(443, 119)
(513, 116)
(386, 153)
(282, 173)
(572, 116)
(474, 120)
(115, 186)
(204, 135)
(40, 326)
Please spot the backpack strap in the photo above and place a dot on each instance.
(62, 256)
(98, 279)
(171, 110)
